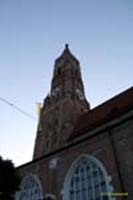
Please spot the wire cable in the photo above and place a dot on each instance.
(16, 108)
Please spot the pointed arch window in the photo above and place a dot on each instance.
(30, 189)
(86, 180)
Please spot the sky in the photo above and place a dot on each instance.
(33, 33)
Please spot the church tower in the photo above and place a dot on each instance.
(64, 104)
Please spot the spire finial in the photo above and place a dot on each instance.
(66, 45)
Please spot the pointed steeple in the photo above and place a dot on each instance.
(64, 104)
(66, 50)
(66, 55)
(67, 76)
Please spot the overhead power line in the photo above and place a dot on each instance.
(17, 108)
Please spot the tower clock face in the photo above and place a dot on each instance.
(80, 94)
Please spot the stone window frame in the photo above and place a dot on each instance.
(71, 172)
(24, 182)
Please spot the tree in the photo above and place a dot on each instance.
(9, 180)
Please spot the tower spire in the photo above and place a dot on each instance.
(63, 106)
(66, 55)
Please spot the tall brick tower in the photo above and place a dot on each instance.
(62, 106)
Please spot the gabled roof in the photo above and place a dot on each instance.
(103, 113)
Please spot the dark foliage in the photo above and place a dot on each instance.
(9, 180)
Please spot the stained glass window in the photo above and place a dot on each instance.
(30, 189)
(87, 181)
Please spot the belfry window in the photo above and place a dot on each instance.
(86, 180)
(30, 189)
(59, 71)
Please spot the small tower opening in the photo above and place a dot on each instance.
(59, 72)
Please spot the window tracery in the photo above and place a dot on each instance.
(86, 180)
(30, 189)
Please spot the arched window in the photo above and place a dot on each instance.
(30, 189)
(86, 180)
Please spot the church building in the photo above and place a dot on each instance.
(80, 153)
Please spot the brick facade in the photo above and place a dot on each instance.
(107, 137)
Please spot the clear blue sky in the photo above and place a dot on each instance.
(33, 34)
